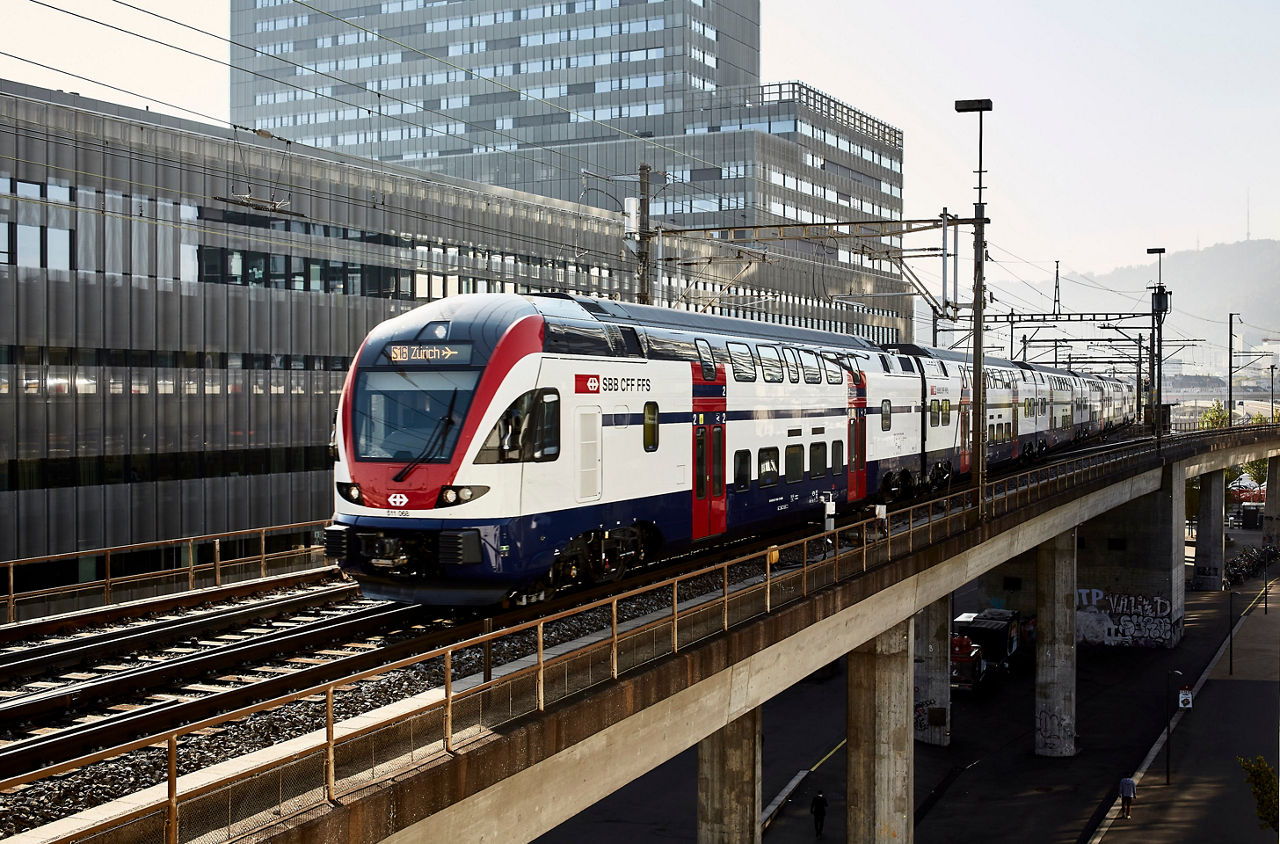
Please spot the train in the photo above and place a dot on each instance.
(495, 448)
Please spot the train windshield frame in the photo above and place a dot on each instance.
(410, 415)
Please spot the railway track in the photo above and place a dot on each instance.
(107, 707)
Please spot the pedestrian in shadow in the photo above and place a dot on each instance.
(1128, 791)
(818, 808)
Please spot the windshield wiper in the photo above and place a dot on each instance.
(438, 434)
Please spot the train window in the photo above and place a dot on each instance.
(410, 415)
(767, 467)
(837, 456)
(527, 431)
(935, 413)
(708, 362)
(1008, 431)
(744, 363)
(770, 363)
(631, 342)
(964, 424)
(946, 412)
(1044, 406)
(795, 463)
(651, 426)
(809, 363)
(832, 368)
(884, 363)
(700, 462)
(991, 433)
(906, 364)
(793, 368)
(717, 461)
(742, 469)
(886, 415)
(817, 460)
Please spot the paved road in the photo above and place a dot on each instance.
(988, 785)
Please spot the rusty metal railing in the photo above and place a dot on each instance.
(183, 571)
(341, 757)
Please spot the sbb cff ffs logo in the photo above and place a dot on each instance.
(586, 383)
(398, 499)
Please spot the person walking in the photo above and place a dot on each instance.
(1128, 791)
(818, 808)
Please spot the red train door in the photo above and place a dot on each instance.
(858, 455)
(708, 498)
(708, 480)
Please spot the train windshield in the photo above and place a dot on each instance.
(408, 415)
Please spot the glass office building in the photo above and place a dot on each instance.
(179, 303)
(562, 99)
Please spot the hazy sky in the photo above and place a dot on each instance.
(1116, 125)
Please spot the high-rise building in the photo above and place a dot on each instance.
(567, 100)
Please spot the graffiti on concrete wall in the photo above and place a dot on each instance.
(1113, 618)
(1053, 731)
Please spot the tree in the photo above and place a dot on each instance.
(1258, 419)
(1257, 469)
(1215, 416)
(1261, 778)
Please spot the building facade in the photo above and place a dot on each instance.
(566, 100)
(179, 304)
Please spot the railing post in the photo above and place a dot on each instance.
(217, 562)
(12, 608)
(613, 635)
(488, 650)
(106, 589)
(448, 692)
(262, 551)
(675, 616)
(768, 583)
(724, 598)
(804, 571)
(171, 820)
(191, 564)
(330, 764)
(542, 677)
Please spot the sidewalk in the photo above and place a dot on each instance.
(1235, 714)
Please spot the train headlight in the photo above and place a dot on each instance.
(451, 495)
(350, 492)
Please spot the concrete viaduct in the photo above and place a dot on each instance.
(1116, 540)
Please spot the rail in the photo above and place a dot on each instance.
(185, 564)
(241, 796)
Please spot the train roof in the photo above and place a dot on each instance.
(651, 316)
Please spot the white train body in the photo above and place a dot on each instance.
(494, 446)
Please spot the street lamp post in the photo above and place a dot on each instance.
(1168, 726)
(978, 402)
(1231, 347)
(1272, 418)
(1159, 308)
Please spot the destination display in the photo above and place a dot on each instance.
(430, 353)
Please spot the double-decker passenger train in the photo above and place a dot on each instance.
(497, 447)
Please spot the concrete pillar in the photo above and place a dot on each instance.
(932, 699)
(1210, 536)
(879, 789)
(1131, 570)
(1271, 510)
(1056, 646)
(729, 782)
